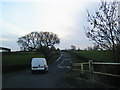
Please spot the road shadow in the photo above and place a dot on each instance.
(38, 72)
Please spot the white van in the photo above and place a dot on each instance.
(39, 64)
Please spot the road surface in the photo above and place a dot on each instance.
(51, 79)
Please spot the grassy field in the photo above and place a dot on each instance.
(22, 58)
(104, 56)
(19, 58)
(17, 61)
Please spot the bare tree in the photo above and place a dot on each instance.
(104, 29)
(73, 47)
(49, 39)
(89, 48)
(96, 47)
(23, 43)
(28, 42)
(36, 40)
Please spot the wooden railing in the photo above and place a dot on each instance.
(91, 69)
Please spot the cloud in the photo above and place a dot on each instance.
(4, 39)
(10, 33)
(11, 28)
(59, 17)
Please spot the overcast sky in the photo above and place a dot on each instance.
(66, 18)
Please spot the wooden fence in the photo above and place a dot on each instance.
(91, 69)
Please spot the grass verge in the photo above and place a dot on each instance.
(104, 56)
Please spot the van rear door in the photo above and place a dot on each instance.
(37, 64)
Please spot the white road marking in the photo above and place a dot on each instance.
(59, 58)
(67, 59)
(68, 67)
(62, 62)
(64, 67)
(60, 65)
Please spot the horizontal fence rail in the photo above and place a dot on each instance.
(102, 63)
(106, 74)
(79, 64)
(91, 69)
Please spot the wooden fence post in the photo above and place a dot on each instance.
(91, 70)
(71, 66)
(90, 66)
(81, 68)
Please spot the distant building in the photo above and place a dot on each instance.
(3, 49)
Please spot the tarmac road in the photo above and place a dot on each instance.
(51, 79)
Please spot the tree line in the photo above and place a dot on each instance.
(38, 40)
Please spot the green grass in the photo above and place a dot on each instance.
(104, 56)
(19, 61)
(19, 58)
(22, 58)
